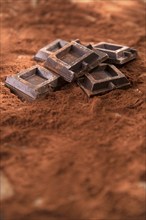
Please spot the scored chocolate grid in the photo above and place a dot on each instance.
(72, 61)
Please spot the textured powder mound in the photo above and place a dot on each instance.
(67, 156)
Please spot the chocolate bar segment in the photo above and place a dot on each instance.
(44, 52)
(118, 54)
(33, 82)
(73, 60)
(103, 79)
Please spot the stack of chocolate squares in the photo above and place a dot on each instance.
(91, 66)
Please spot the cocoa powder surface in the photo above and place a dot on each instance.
(68, 156)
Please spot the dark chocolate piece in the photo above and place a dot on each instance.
(44, 52)
(118, 54)
(103, 79)
(33, 82)
(73, 60)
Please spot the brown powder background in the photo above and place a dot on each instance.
(67, 156)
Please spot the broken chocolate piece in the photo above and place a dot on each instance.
(118, 54)
(73, 60)
(103, 78)
(44, 52)
(33, 82)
